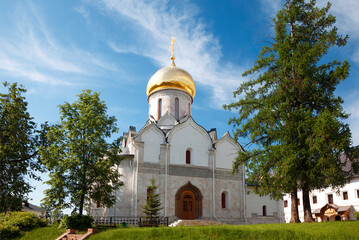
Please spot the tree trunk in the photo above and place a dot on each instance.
(306, 205)
(81, 207)
(294, 207)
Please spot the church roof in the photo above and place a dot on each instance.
(32, 207)
(171, 77)
(336, 207)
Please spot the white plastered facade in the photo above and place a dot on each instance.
(159, 150)
(350, 203)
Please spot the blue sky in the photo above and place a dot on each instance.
(58, 48)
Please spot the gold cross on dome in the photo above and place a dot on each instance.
(172, 47)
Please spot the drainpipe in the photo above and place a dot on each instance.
(136, 185)
(133, 185)
(213, 188)
(244, 196)
(280, 211)
(166, 166)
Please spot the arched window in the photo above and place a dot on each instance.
(188, 156)
(98, 204)
(264, 210)
(189, 109)
(177, 108)
(159, 108)
(223, 200)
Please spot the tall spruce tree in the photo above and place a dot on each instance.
(81, 163)
(289, 110)
(153, 203)
(19, 142)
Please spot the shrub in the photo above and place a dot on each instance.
(356, 214)
(75, 221)
(11, 223)
(25, 221)
(8, 231)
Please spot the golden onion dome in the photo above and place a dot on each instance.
(171, 77)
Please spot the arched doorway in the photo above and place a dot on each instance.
(188, 204)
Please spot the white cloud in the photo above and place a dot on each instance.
(33, 54)
(351, 107)
(271, 7)
(84, 12)
(196, 49)
(346, 13)
(123, 49)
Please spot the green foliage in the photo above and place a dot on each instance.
(8, 231)
(80, 161)
(324, 230)
(288, 109)
(11, 223)
(54, 216)
(153, 204)
(19, 141)
(76, 221)
(356, 215)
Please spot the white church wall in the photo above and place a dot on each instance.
(234, 203)
(254, 208)
(226, 152)
(143, 180)
(122, 206)
(168, 103)
(124, 194)
(193, 137)
(131, 148)
(152, 139)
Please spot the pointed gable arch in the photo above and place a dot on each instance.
(152, 137)
(167, 120)
(226, 151)
(189, 135)
(227, 137)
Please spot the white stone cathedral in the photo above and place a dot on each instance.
(192, 167)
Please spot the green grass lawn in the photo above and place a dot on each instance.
(328, 230)
(41, 233)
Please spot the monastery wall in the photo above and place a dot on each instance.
(254, 208)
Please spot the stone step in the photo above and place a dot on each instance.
(73, 236)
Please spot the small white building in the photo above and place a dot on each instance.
(329, 205)
(28, 207)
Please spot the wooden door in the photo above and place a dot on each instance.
(187, 205)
